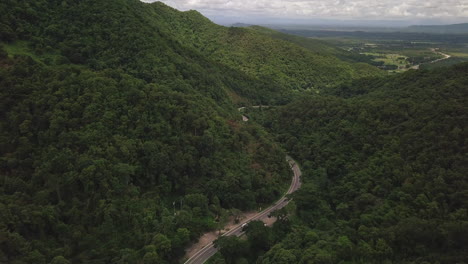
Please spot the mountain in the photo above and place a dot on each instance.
(321, 47)
(241, 25)
(120, 139)
(384, 169)
(119, 144)
(257, 54)
(439, 29)
(274, 65)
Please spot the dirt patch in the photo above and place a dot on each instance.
(269, 221)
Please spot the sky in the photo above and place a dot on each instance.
(321, 11)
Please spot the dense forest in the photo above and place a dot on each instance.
(322, 47)
(385, 168)
(156, 42)
(120, 142)
(93, 162)
(280, 58)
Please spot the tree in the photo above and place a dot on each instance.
(345, 248)
(162, 243)
(59, 260)
(231, 247)
(279, 256)
(259, 235)
(181, 238)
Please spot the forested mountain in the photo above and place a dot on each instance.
(261, 55)
(154, 41)
(124, 35)
(118, 144)
(120, 141)
(321, 47)
(385, 168)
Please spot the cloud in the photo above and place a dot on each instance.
(345, 9)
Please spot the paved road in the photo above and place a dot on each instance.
(209, 250)
(446, 56)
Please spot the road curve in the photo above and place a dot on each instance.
(209, 250)
(446, 56)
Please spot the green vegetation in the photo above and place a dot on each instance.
(263, 55)
(386, 50)
(321, 47)
(458, 55)
(384, 164)
(444, 63)
(394, 62)
(92, 163)
(120, 142)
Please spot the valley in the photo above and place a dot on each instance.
(396, 51)
(136, 133)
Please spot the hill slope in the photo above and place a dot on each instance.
(272, 66)
(321, 47)
(384, 165)
(120, 141)
(261, 54)
(117, 143)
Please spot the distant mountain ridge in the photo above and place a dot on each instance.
(241, 25)
(440, 29)
(461, 28)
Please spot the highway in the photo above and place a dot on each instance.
(209, 250)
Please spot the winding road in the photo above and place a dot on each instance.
(446, 56)
(209, 250)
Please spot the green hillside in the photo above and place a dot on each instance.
(292, 62)
(128, 36)
(117, 143)
(153, 41)
(321, 47)
(120, 141)
(385, 172)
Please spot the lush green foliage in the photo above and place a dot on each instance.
(444, 63)
(321, 47)
(120, 141)
(118, 144)
(131, 36)
(92, 162)
(385, 170)
(155, 42)
(263, 55)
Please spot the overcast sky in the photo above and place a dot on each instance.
(424, 11)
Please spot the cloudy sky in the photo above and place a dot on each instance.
(425, 11)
